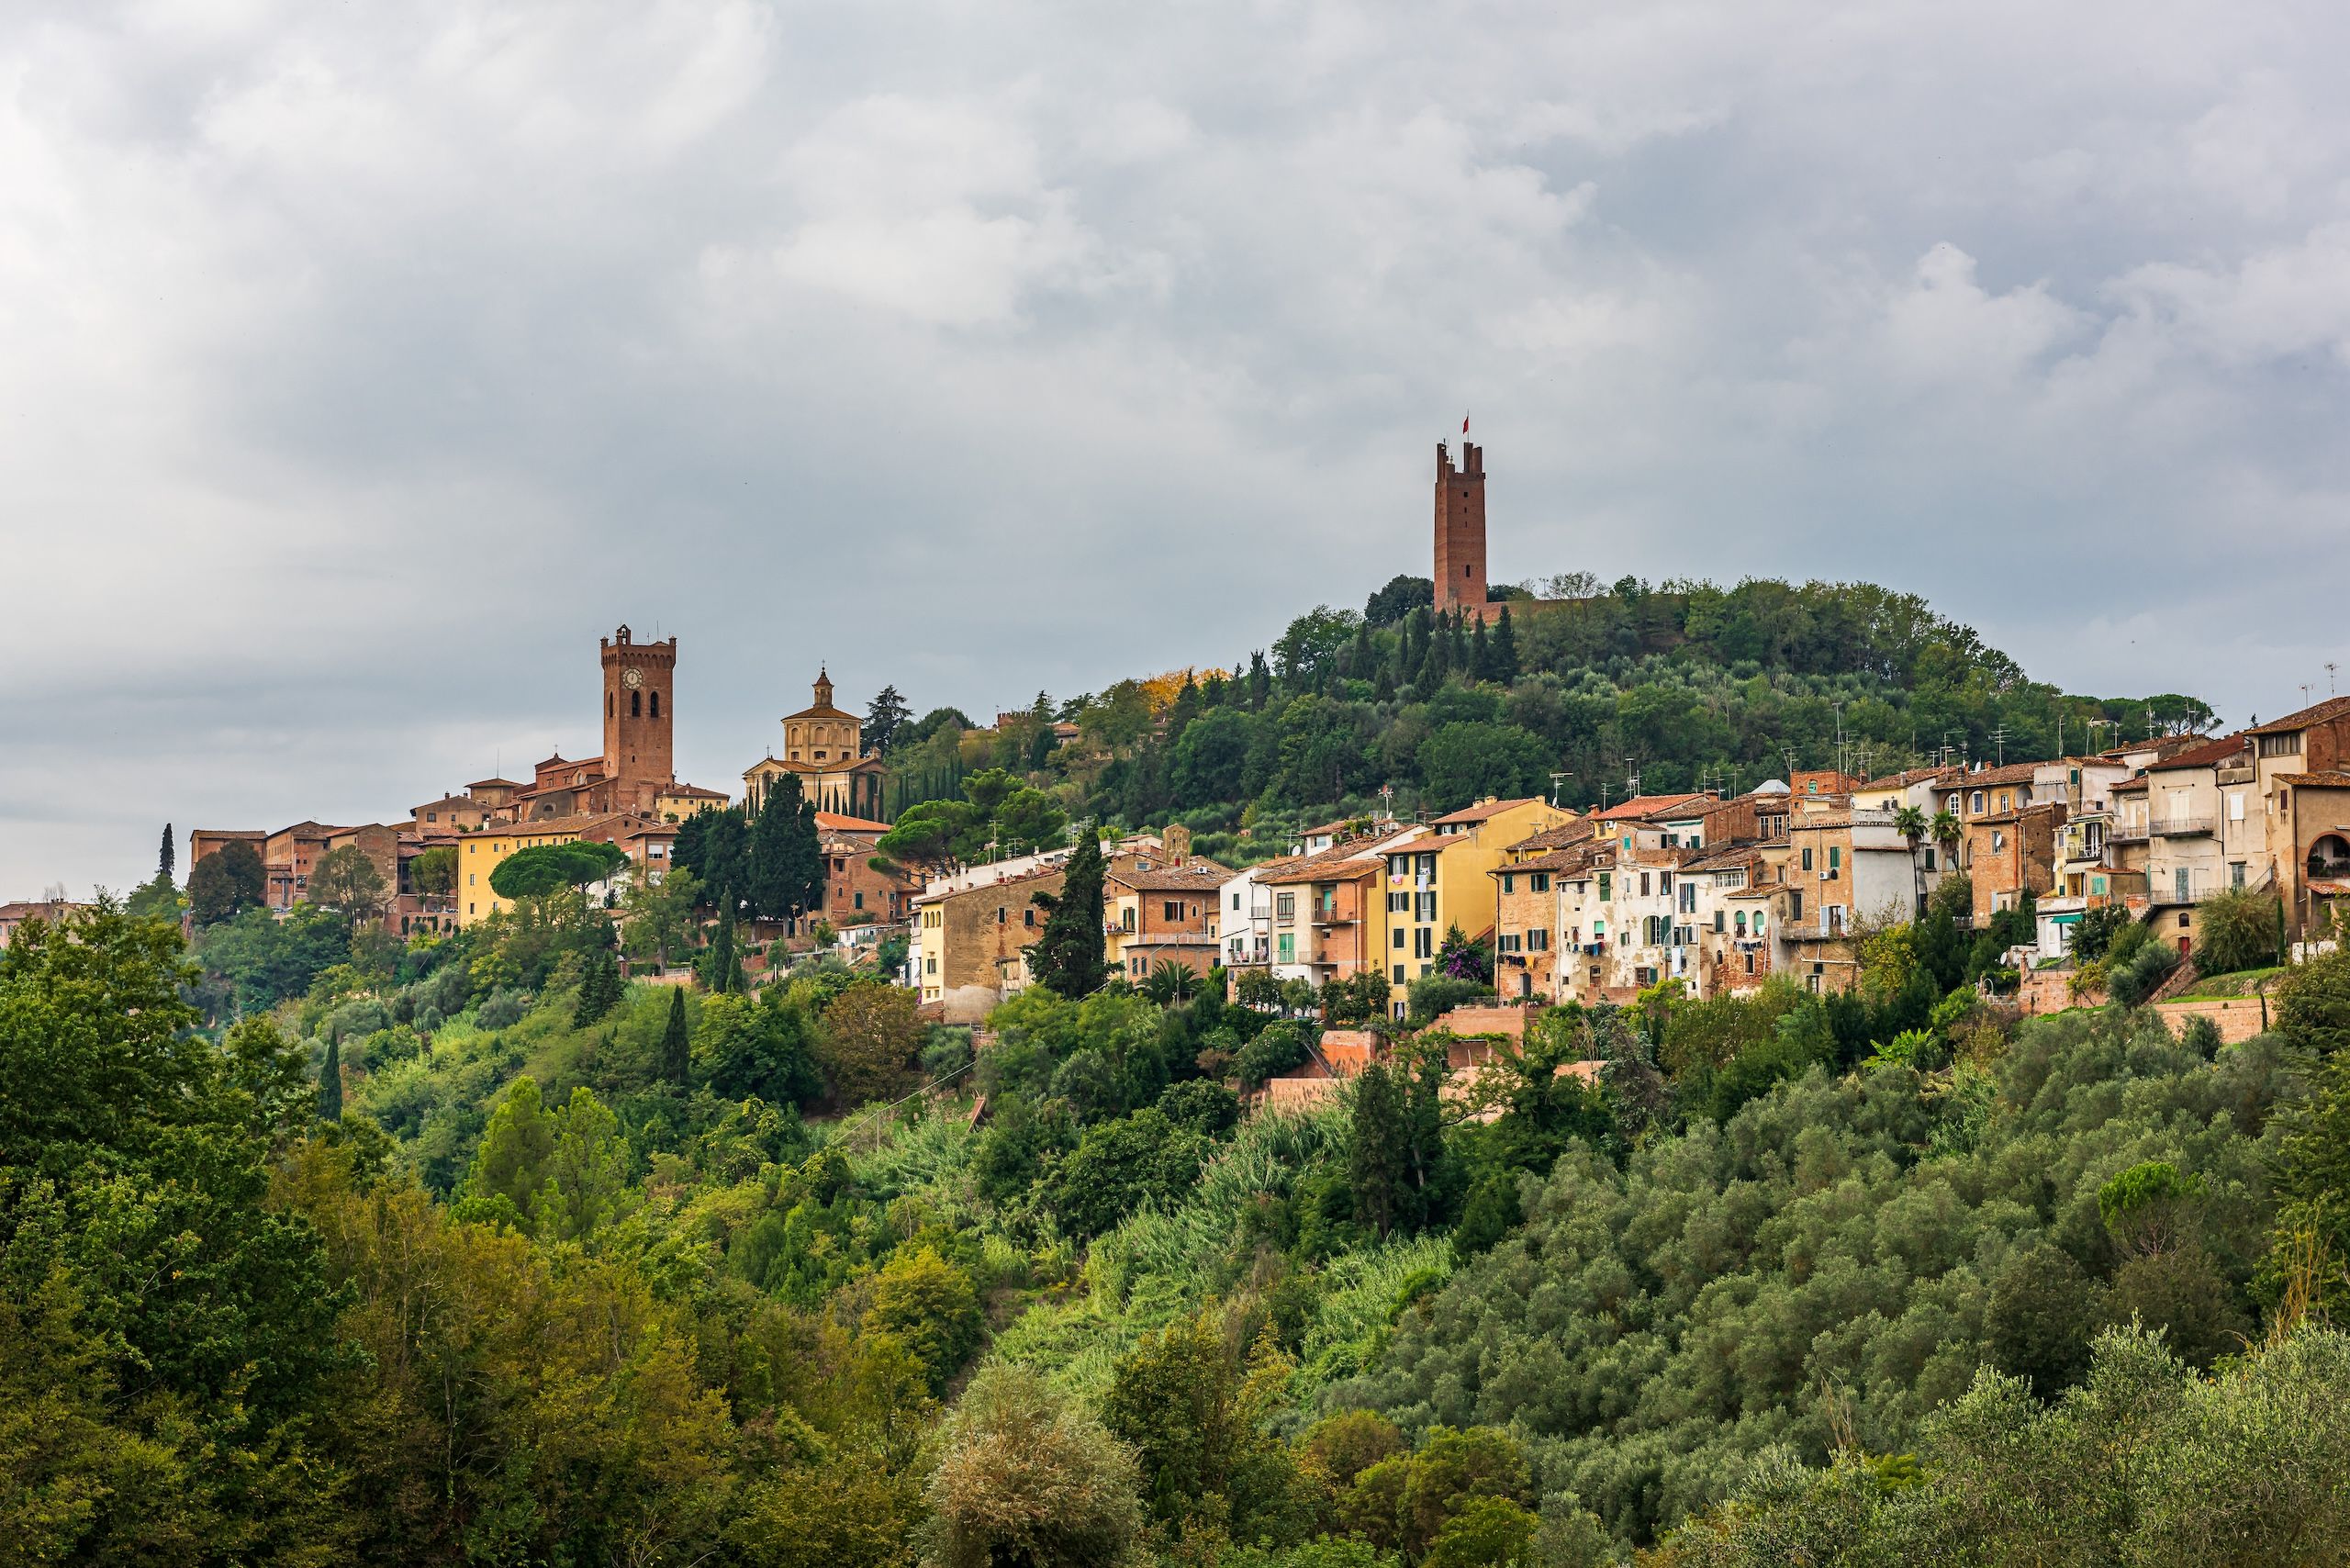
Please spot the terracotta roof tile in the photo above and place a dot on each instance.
(1642, 806)
(2210, 754)
(1485, 810)
(1191, 877)
(2332, 708)
(1557, 837)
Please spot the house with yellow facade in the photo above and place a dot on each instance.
(1438, 876)
(649, 846)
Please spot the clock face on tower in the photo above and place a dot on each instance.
(632, 678)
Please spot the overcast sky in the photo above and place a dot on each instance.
(360, 364)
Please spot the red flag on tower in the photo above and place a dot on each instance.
(1464, 424)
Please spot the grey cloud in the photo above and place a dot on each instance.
(365, 362)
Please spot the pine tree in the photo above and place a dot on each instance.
(1260, 682)
(330, 1080)
(676, 1050)
(1505, 668)
(884, 717)
(164, 867)
(1067, 957)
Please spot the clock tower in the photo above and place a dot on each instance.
(639, 704)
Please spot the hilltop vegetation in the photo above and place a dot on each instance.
(317, 1245)
(1679, 687)
(549, 1269)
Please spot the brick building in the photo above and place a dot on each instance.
(855, 893)
(968, 935)
(2006, 854)
(1322, 924)
(1159, 911)
(1460, 574)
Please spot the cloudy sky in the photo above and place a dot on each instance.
(361, 363)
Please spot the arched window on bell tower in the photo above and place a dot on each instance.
(656, 704)
(636, 704)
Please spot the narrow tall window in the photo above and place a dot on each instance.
(636, 704)
(656, 704)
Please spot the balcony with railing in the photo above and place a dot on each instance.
(2126, 832)
(2183, 827)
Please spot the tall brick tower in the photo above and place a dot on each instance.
(1461, 529)
(639, 704)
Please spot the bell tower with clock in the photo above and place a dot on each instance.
(640, 705)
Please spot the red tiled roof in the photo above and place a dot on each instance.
(833, 822)
(2013, 773)
(2332, 708)
(2206, 755)
(1191, 876)
(1573, 858)
(1485, 810)
(1906, 776)
(1557, 837)
(1331, 865)
(2331, 779)
(1640, 806)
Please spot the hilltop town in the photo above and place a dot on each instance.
(1555, 1074)
(1713, 890)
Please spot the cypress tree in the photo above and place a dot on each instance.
(163, 867)
(1481, 653)
(330, 1082)
(1067, 957)
(1375, 1162)
(1505, 668)
(722, 966)
(677, 1051)
(1456, 642)
(1431, 671)
(783, 859)
(599, 989)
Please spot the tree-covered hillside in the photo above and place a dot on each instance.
(1674, 688)
(469, 1250)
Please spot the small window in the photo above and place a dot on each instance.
(636, 704)
(1541, 880)
(656, 704)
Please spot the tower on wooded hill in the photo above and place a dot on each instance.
(1461, 529)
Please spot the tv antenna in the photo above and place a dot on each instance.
(1556, 780)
